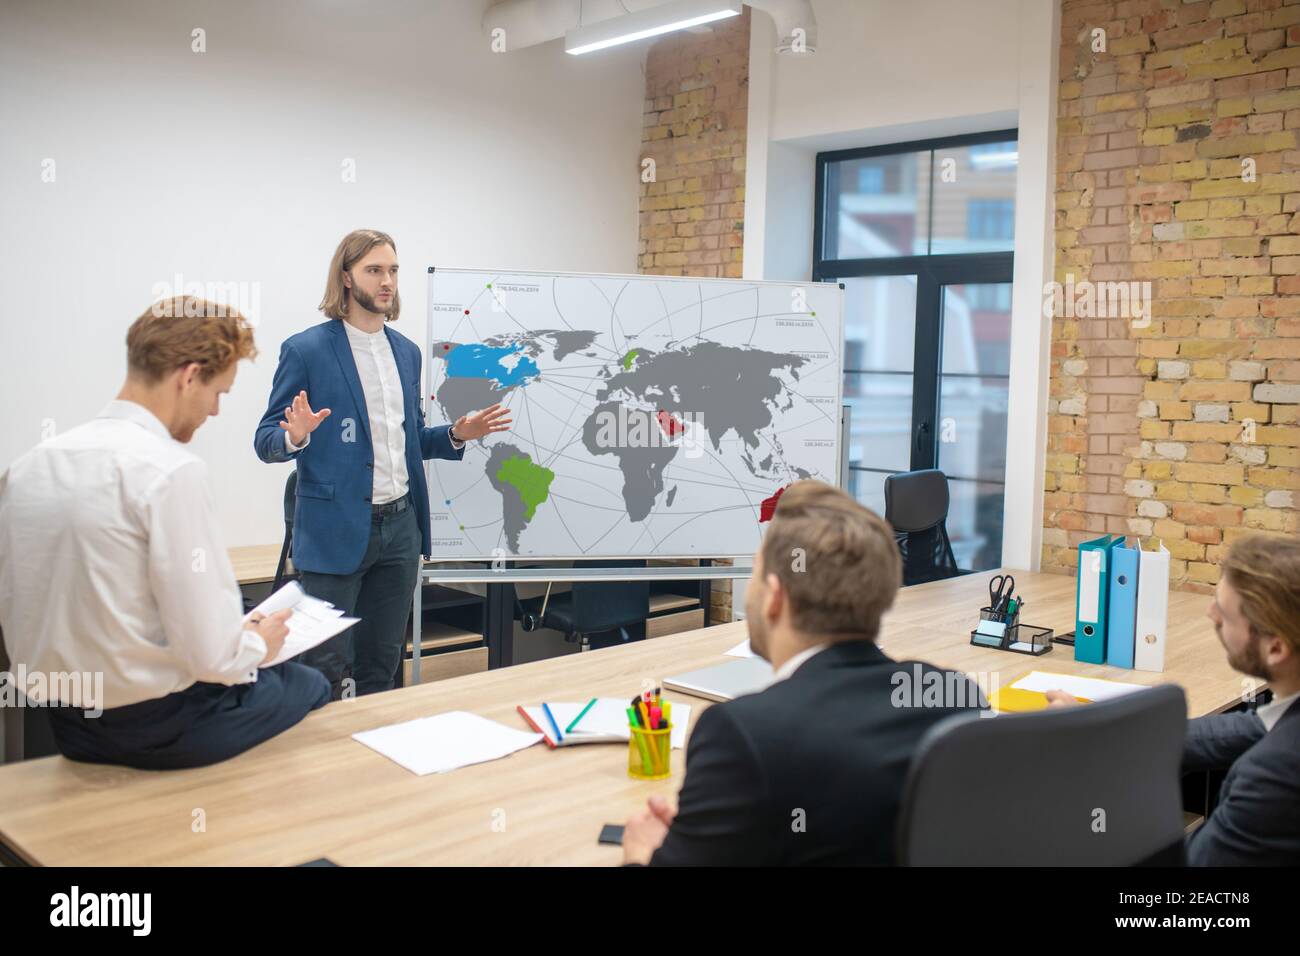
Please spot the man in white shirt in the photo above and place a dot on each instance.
(112, 564)
(361, 511)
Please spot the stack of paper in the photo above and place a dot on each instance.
(446, 741)
(313, 621)
(1029, 692)
(1088, 688)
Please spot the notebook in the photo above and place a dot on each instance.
(605, 721)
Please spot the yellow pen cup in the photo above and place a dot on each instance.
(649, 753)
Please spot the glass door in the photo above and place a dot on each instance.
(971, 429)
(922, 236)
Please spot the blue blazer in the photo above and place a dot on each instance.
(331, 518)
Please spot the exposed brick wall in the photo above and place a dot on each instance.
(697, 97)
(693, 214)
(1149, 428)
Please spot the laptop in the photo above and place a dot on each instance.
(747, 675)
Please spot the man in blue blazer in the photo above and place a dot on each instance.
(361, 519)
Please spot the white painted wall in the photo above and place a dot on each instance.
(226, 166)
(889, 71)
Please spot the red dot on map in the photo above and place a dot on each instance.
(467, 311)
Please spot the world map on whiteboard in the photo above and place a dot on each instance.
(652, 416)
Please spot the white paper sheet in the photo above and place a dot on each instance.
(445, 741)
(1089, 688)
(312, 622)
(741, 650)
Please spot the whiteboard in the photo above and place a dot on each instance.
(653, 416)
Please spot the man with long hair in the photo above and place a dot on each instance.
(361, 519)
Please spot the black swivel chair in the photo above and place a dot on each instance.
(590, 608)
(281, 566)
(27, 733)
(1094, 785)
(916, 507)
(290, 497)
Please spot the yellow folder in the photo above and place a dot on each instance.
(1013, 700)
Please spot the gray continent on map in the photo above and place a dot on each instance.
(728, 388)
(643, 468)
(513, 519)
(567, 341)
(460, 396)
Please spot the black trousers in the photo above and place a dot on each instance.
(200, 725)
(380, 592)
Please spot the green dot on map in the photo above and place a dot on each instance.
(462, 527)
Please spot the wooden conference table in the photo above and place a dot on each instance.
(313, 792)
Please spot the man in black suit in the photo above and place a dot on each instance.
(811, 770)
(1256, 613)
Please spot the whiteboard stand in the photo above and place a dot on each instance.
(501, 618)
(846, 427)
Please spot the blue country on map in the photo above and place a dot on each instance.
(506, 366)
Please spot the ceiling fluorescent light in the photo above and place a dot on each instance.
(677, 15)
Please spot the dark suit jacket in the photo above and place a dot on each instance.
(1257, 821)
(810, 771)
(331, 525)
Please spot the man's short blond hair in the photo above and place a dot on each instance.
(838, 561)
(185, 329)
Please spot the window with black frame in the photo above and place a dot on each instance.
(921, 234)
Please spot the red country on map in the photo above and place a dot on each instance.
(671, 424)
(768, 507)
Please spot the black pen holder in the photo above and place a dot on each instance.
(1015, 637)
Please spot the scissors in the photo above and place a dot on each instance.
(1001, 587)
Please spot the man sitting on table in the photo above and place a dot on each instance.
(811, 770)
(112, 565)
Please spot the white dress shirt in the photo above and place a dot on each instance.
(111, 562)
(793, 664)
(385, 409)
(1272, 712)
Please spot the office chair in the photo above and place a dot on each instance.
(590, 607)
(916, 507)
(25, 732)
(1093, 785)
(290, 498)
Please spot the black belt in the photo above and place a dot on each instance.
(391, 507)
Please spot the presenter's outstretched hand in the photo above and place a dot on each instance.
(273, 630)
(477, 424)
(300, 421)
